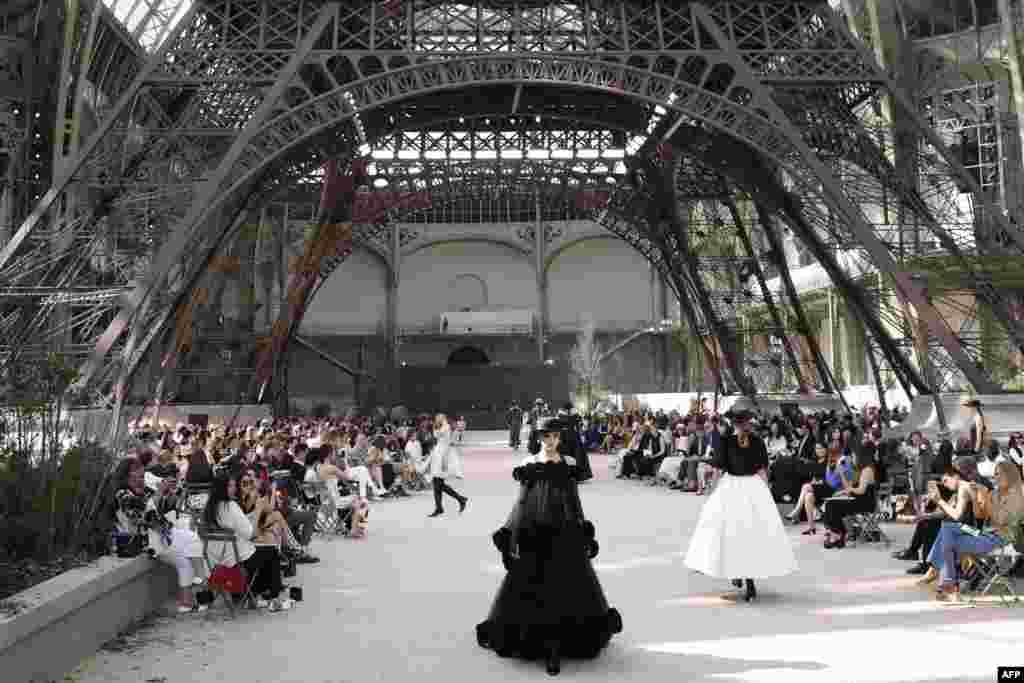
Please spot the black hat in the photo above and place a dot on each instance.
(550, 424)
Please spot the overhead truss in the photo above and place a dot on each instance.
(765, 105)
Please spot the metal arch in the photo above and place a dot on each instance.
(290, 129)
(550, 258)
(329, 110)
(796, 48)
(471, 237)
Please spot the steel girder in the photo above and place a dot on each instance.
(714, 62)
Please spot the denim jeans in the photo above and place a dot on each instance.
(953, 541)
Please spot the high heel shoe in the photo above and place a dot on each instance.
(928, 578)
(554, 662)
(836, 544)
(810, 532)
(751, 593)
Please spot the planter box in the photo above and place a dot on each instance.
(69, 617)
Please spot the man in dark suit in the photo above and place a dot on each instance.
(515, 425)
(696, 448)
(644, 457)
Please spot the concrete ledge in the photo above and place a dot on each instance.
(69, 617)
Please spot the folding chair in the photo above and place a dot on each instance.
(994, 571)
(332, 507)
(207, 534)
(867, 524)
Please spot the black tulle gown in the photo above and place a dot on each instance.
(550, 593)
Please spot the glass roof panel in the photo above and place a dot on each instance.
(149, 21)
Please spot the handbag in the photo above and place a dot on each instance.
(227, 579)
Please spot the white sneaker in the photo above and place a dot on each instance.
(280, 605)
(262, 604)
(182, 609)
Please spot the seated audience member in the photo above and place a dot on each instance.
(329, 468)
(825, 482)
(696, 451)
(963, 533)
(375, 460)
(1015, 450)
(130, 499)
(673, 462)
(646, 449)
(256, 502)
(855, 499)
(776, 443)
(804, 443)
(175, 544)
(261, 563)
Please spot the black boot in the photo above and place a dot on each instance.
(554, 660)
(438, 507)
(751, 593)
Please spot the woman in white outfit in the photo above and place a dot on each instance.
(739, 534)
(777, 444)
(445, 462)
(332, 468)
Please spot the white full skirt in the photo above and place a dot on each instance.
(740, 534)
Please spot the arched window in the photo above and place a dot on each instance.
(468, 355)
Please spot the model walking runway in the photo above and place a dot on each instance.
(550, 603)
(739, 534)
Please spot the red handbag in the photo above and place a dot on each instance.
(227, 579)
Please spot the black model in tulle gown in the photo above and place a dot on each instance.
(550, 600)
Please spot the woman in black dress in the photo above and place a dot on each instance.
(550, 603)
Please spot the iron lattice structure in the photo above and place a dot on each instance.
(734, 116)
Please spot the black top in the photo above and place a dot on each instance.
(199, 474)
(741, 462)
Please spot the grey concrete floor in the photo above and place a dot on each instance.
(402, 604)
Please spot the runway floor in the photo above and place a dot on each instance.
(401, 606)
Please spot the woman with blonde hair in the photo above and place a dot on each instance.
(445, 463)
(963, 536)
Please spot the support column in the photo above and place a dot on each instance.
(778, 255)
(665, 341)
(539, 244)
(769, 300)
(1009, 29)
(393, 280)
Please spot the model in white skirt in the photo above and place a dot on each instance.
(739, 534)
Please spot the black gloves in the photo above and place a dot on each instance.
(589, 542)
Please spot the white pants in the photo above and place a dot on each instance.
(361, 475)
(703, 470)
(184, 554)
